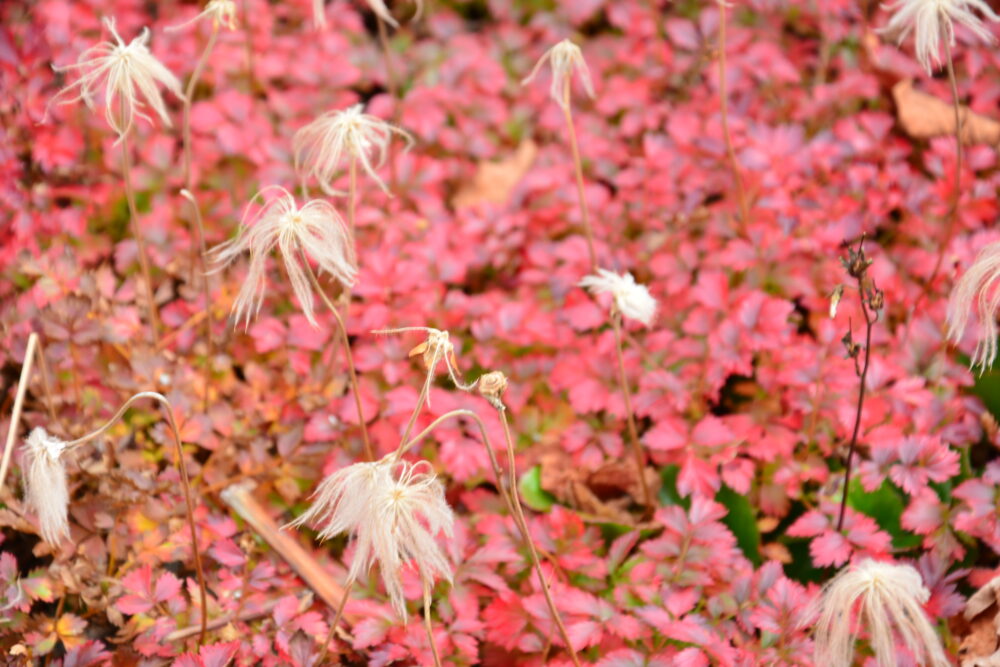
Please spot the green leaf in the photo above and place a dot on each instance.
(886, 506)
(742, 520)
(531, 490)
(668, 488)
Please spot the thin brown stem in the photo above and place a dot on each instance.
(578, 170)
(154, 317)
(427, 622)
(188, 95)
(638, 454)
(336, 621)
(956, 194)
(869, 323)
(355, 388)
(390, 80)
(206, 294)
(523, 526)
(517, 511)
(724, 107)
(352, 201)
(185, 481)
(50, 404)
(15, 416)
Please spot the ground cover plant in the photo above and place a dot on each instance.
(500, 332)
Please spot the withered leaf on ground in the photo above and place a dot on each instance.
(494, 181)
(924, 116)
(605, 493)
(980, 633)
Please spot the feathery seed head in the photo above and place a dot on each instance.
(45, 487)
(888, 598)
(436, 348)
(127, 74)
(328, 144)
(564, 58)
(933, 20)
(315, 230)
(393, 510)
(219, 12)
(631, 299)
(978, 289)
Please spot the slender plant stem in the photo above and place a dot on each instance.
(724, 105)
(15, 416)
(154, 317)
(956, 194)
(633, 433)
(869, 323)
(50, 404)
(336, 621)
(352, 200)
(206, 294)
(427, 622)
(185, 480)
(355, 388)
(421, 399)
(390, 80)
(578, 170)
(517, 512)
(523, 526)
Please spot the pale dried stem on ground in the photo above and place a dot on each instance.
(15, 417)
(355, 388)
(518, 512)
(633, 432)
(724, 108)
(133, 214)
(578, 171)
(241, 500)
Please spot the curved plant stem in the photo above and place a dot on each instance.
(427, 622)
(154, 317)
(633, 433)
(188, 94)
(352, 195)
(517, 513)
(869, 323)
(336, 621)
(955, 196)
(15, 417)
(578, 170)
(186, 482)
(724, 107)
(43, 367)
(355, 388)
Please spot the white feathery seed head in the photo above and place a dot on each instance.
(978, 289)
(377, 6)
(631, 299)
(393, 510)
(45, 487)
(564, 58)
(315, 229)
(219, 12)
(326, 146)
(933, 20)
(889, 599)
(127, 74)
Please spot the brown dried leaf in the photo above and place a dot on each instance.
(494, 181)
(924, 116)
(605, 493)
(979, 628)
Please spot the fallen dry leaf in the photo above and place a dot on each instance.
(924, 116)
(494, 181)
(980, 645)
(606, 492)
